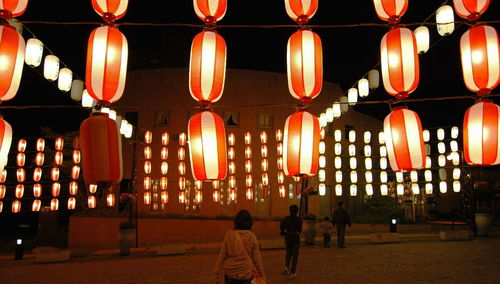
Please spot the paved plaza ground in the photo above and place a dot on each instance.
(425, 260)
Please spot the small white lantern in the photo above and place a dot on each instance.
(338, 135)
(456, 186)
(363, 87)
(455, 159)
(338, 176)
(65, 79)
(353, 190)
(428, 175)
(454, 132)
(112, 114)
(454, 145)
(427, 135)
(383, 151)
(415, 188)
(414, 176)
(322, 161)
(383, 163)
(352, 95)
(336, 110)
(338, 149)
(456, 173)
(381, 138)
(130, 130)
(368, 177)
(422, 38)
(352, 136)
(34, 52)
(338, 162)
(369, 189)
(440, 134)
(322, 120)
(51, 67)
(354, 177)
(384, 190)
(77, 90)
(367, 137)
(368, 163)
(322, 189)
(442, 174)
(329, 114)
(400, 189)
(368, 150)
(352, 150)
(428, 188)
(441, 160)
(445, 20)
(428, 162)
(322, 147)
(123, 127)
(374, 78)
(353, 163)
(87, 100)
(344, 106)
(443, 187)
(322, 175)
(399, 177)
(441, 147)
(338, 190)
(383, 176)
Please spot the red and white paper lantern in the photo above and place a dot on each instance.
(470, 9)
(301, 10)
(210, 11)
(11, 64)
(12, 8)
(5, 142)
(110, 10)
(390, 10)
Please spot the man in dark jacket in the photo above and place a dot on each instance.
(340, 220)
(291, 227)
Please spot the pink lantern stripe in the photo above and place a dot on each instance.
(12, 49)
(5, 142)
(415, 139)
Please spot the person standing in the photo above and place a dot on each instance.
(340, 220)
(239, 259)
(291, 227)
(325, 228)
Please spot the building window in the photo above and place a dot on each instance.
(265, 120)
(231, 118)
(162, 118)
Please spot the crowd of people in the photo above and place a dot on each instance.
(239, 260)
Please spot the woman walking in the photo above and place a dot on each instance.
(239, 259)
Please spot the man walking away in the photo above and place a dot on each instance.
(291, 227)
(341, 219)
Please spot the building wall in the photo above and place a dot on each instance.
(247, 94)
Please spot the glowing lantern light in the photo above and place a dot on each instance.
(337, 112)
(19, 191)
(73, 188)
(16, 206)
(110, 200)
(164, 197)
(456, 173)
(232, 195)
(216, 196)
(58, 158)
(338, 162)
(76, 156)
(148, 137)
(56, 189)
(304, 65)
(182, 183)
(422, 38)
(367, 150)
(428, 188)
(354, 177)
(163, 183)
(210, 11)
(368, 177)
(363, 87)
(54, 204)
(381, 138)
(405, 145)
(207, 147)
(2, 190)
(91, 201)
(147, 197)
(338, 190)
(147, 153)
(207, 67)
(165, 138)
(71, 203)
(399, 60)
(232, 181)
(445, 20)
(390, 10)
(164, 153)
(20, 159)
(87, 100)
(322, 161)
(456, 186)
(21, 175)
(441, 160)
(383, 163)
(441, 148)
(400, 190)
(40, 144)
(454, 132)
(426, 135)
(282, 191)
(301, 144)
(301, 11)
(34, 52)
(263, 151)
(147, 167)
(279, 135)
(263, 137)
(338, 149)
(479, 49)
(92, 188)
(481, 134)
(21, 145)
(322, 147)
(11, 65)
(443, 187)
(249, 180)
(264, 165)
(39, 159)
(399, 177)
(65, 79)
(353, 190)
(110, 10)
(76, 90)
(265, 179)
(231, 139)
(147, 183)
(37, 174)
(428, 175)
(51, 67)
(54, 174)
(352, 96)
(321, 176)
(279, 162)
(369, 189)
(248, 152)
(107, 56)
(322, 189)
(384, 190)
(164, 168)
(101, 150)
(182, 197)
(338, 176)
(415, 189)
(353, 163)
(5, 142)
(470, 9)
(35, 206)
(383, 177)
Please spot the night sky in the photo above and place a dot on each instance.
(348, 52)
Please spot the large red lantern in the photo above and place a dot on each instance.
(301, 11)
(479, 49)
(11, 63)
(107, 56)
(101, 149)
(481, 134)
(404, 140)
(110, 10)
(470, 9)
(399, 61)
(210, 11)
(390, 10)
(207, 146)
(301, 144)
(207, 67)
(5, 141)
(304, 65)
(12, 8)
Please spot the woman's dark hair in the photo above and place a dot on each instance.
(243, 220)
(294, 209)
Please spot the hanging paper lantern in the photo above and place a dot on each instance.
(73, 188)
(210, 11)
(76, 90)
(35, 207)
(107, 56)
(163, 183)
(390, 10)
(470, 9)
(164, 197)
(34, 52)
(16, 206)
(301, 11)
(101, 150)
(481, 134)
(51, 67)
(54, 204)
(20, 159)
(12, 8)
(65, 79)
(2, 190)
(479, 49)
(110, 10)
(91, 201)
(11, 65)
(405, 144)
(19, 191)
(56, 189)
(445, 20)
(422, 38)
(21, 175)
(207, 67)
(304, 65)
(110, 199)
(71, 203)
(399, 60)
(76, 156)
(207, 146)
(301, 144)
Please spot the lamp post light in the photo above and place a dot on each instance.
(19, 249)
(394, 225)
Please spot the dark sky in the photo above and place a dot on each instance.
(348, 52)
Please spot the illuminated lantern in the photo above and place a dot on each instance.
(21, 145)
(363, 87)
(404, 140)
(164, 197)
(282, 191)
(232, 167)
(11, 65)
(248, 152)
(101, 150)
(65, 79)
(265, 179)
(164, 153)
(182, 183)
(181, 154)
(91, 201)
(2, 191)
(71, 203)
(19, 191)
(216, 196)
(92, 188)
(301, 11)
(147, 183)
(54, 204)
(37, 174)
(301, 144)
(399, 61)
(20, 159)
(35, 207)
(59, 144)
(56, 189)
(230, 153)
(147, 197)
(232, 195)
(39, 159)
(207, 67)
(422, 38)
(182, 139)
(470, 9)
(207, 147)
(210, 11)
(182, 168)
(40, 144)
(73, 188)
(198, 196)
(1, 206)
(481, 134)
(304, 65)
(147, 167)
(110, 10)
(479, 49)
(215, 184)
(279, 135)
(249, 180)
(75, 172)
(21, 175)
(54, 174)
(5, 141)
(182, 197)
(264, 165)
(163, 183)
(249, 194)
(110, 199)
(164, 168)
(390, 10)
(76, 156)
(107, 57)
(148, 137)
(16, 206)
(445, 20)
(58, 158)
(51, 67)
(164, 138)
